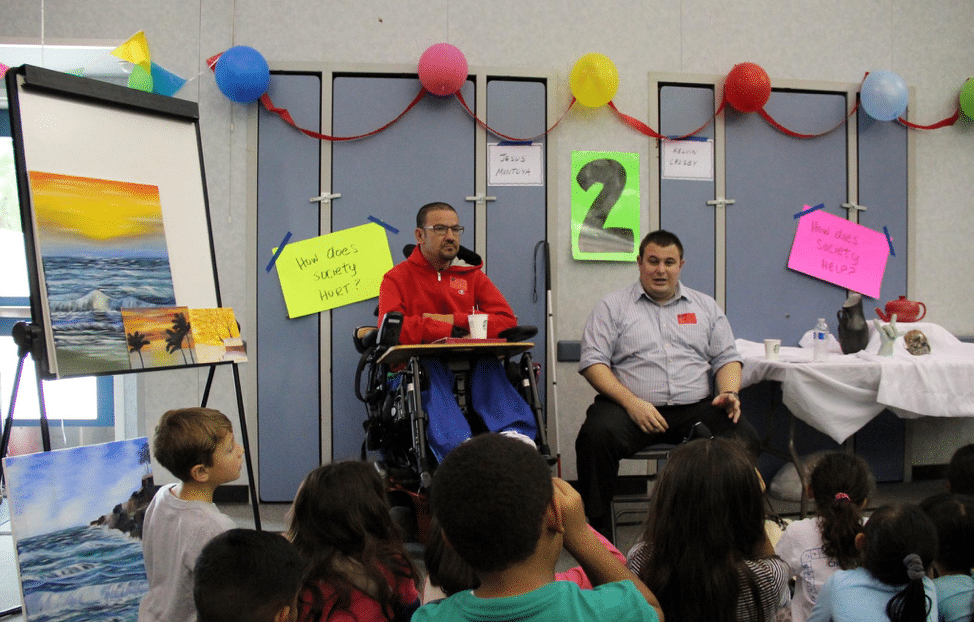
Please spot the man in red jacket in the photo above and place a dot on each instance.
(435, 289)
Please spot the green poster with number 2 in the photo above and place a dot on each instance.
(605, 205)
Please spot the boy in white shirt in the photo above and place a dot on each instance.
(197, 446)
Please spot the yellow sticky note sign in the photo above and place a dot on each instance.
(333, 270)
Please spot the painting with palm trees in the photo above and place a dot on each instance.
(159, 337)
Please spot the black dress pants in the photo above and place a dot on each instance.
(609, 435)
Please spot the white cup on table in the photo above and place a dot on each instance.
(478, 325)
(772, 349)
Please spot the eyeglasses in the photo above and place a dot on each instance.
(442, 229)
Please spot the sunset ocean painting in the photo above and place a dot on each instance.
(103, 247)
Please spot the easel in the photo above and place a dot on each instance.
(26, 336)
(58, 122)
(30, 340)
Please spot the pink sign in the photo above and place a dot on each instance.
(836, 250)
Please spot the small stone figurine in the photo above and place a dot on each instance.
(916, 343)
(888, 334)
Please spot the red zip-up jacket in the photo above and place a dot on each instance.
(414, 287)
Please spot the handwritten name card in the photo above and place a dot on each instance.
(515, 165)
(841, 252)
(688, 159)
(333, 270)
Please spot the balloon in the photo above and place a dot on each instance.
(967, 99)
(442, 69)
(140, 79)
(883, 95)
(747, 87)
(594, 80)
(242, 74)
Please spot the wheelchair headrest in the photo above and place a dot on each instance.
(464, 254)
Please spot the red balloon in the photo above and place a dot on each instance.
(442, 69)
(747, 87)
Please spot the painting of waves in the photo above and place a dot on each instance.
(103, 248)
(76, 516)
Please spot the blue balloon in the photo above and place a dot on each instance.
(242, 74)
(884, 95)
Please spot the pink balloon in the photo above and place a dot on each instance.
(442, 69)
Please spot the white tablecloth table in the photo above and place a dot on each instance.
(841, 395)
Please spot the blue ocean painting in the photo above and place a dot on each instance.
(85, 297)
(76, 520)
(102, 247)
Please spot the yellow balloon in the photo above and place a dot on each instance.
(594, 80)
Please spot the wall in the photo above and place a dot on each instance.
(827, 40)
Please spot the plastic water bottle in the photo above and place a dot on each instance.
(821, 336)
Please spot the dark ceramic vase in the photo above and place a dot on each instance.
(853, 330)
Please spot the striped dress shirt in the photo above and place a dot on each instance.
(665, 354)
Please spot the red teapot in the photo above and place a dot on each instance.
(905, 310)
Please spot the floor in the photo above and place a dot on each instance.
(273, 518)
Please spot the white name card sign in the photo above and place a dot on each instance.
(688, 159)
(515, 164)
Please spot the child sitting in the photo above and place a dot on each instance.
(953, 517)
(705, 551)
(960, 471)
(196, 445)
(898, 544)
(357, 567)
(447, 574)
(814, 548)
(244, 575)
(505, 516)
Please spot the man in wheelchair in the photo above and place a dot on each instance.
(435, 289)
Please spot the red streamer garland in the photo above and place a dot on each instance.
(265, 99)
(641, 127)
(939, 124)
(463, 103)
(633, 122)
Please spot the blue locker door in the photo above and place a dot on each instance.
(516, 221)
(883, 190)
(771, 176)
(683, 203)
(427, 156)
(286, 355)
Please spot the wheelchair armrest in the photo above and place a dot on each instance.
(518, 333)
(364, 337)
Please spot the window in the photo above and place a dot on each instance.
(76, 401)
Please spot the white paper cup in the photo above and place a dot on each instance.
(772, 348)
(478, 325)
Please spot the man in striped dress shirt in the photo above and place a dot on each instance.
(650, 350)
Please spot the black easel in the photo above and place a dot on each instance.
(29, 339)
(244, 436)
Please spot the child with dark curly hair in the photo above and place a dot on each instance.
(507, 518)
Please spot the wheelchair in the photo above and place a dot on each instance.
(396, 422)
